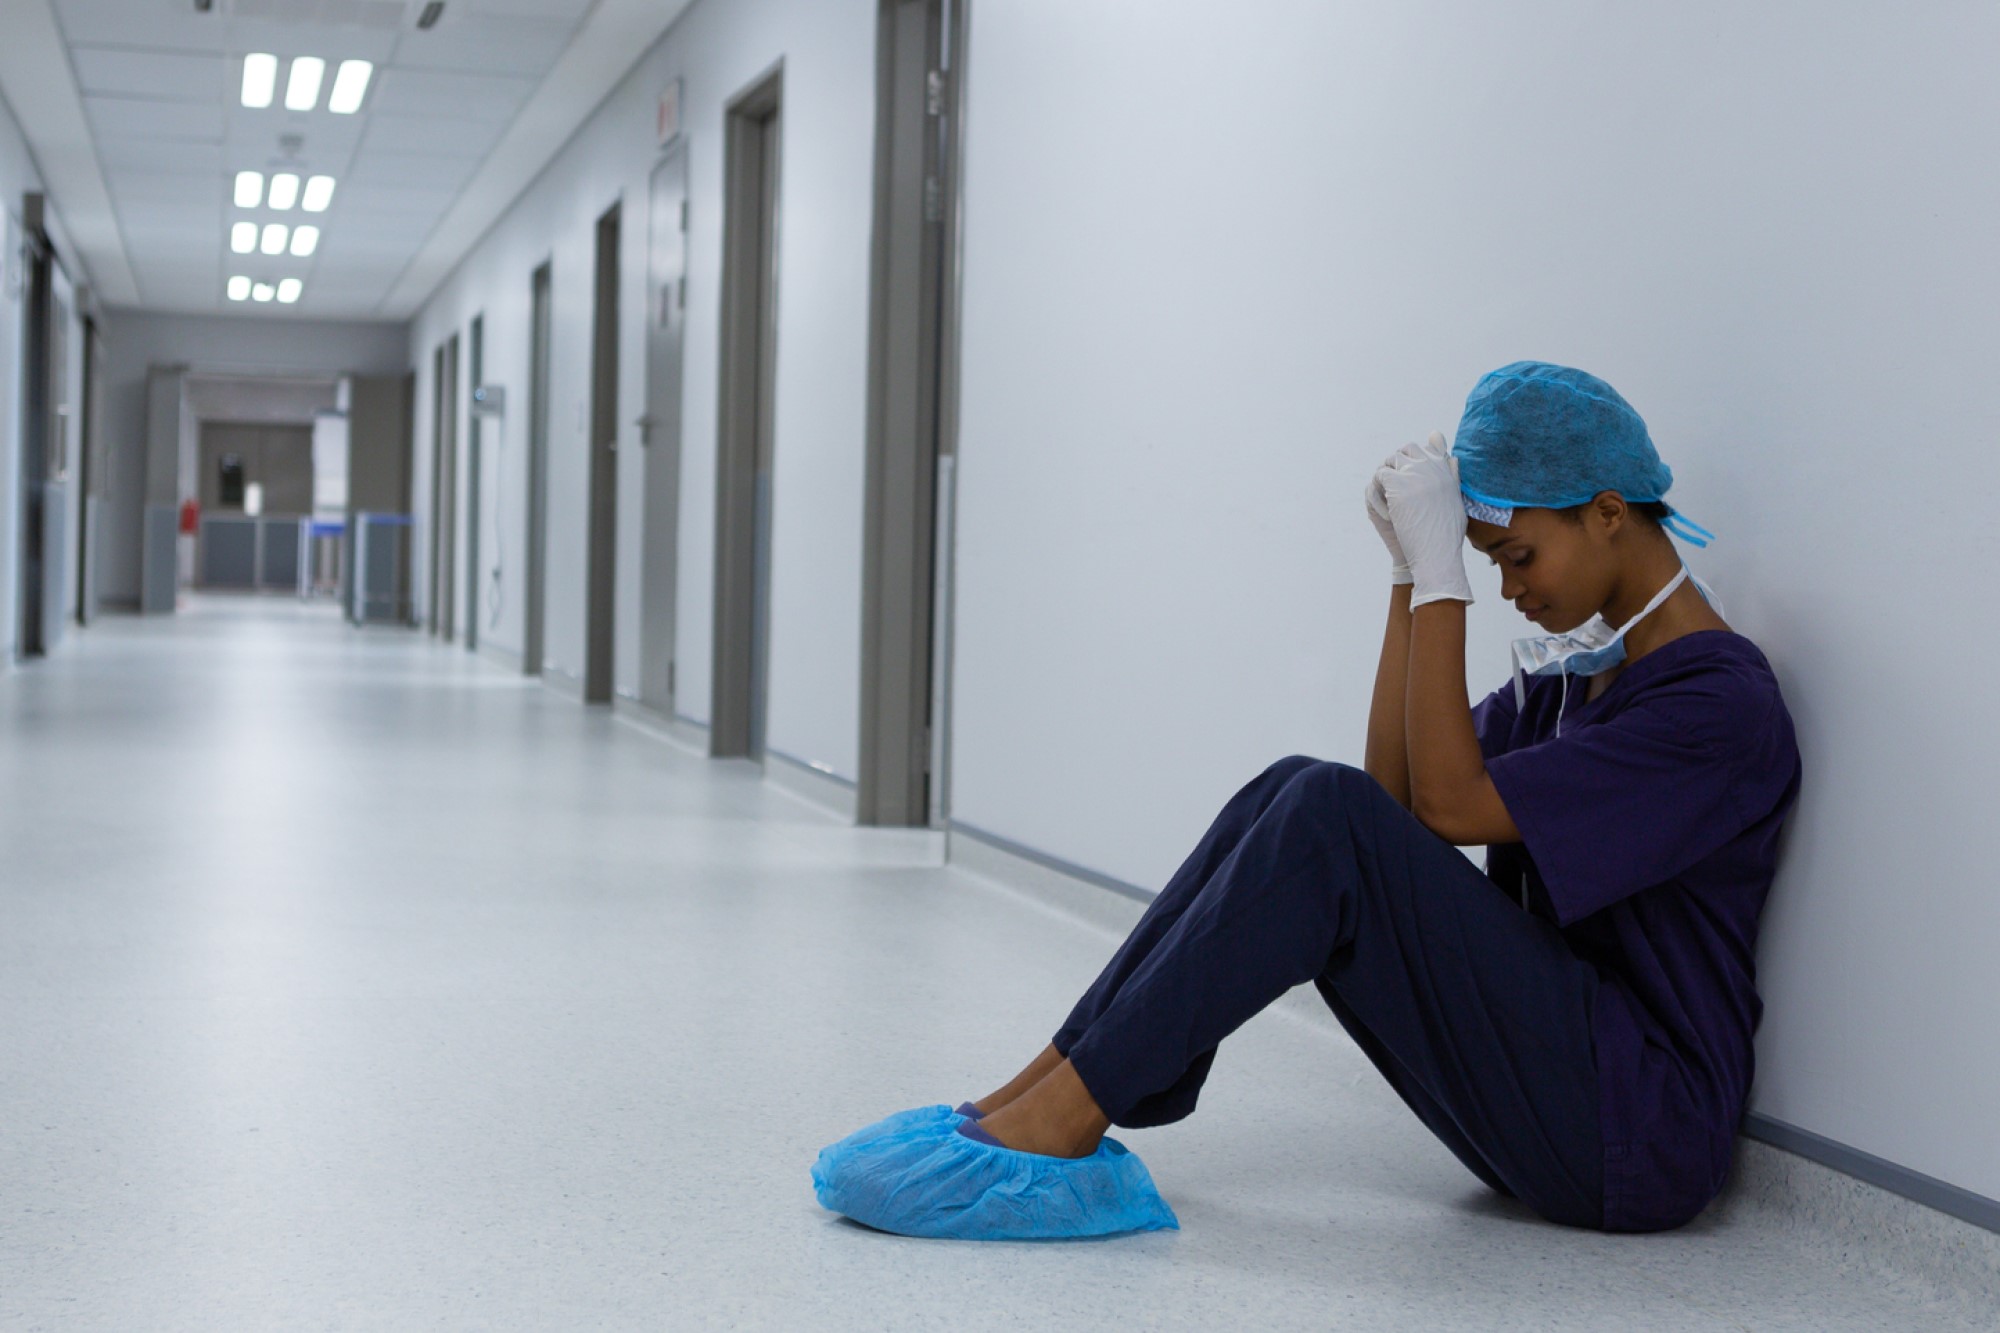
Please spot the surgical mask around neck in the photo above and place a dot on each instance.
(1591, 649)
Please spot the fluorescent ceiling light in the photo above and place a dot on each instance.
(263, 291)
(275, 234)
(302, 89)
(239, 288)
(350, 85)
(260, 79)
(243, 237)
(289, 290)
(305, 240)
(249, 188)
(284, 190)
(319, 193)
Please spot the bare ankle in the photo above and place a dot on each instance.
(1057, 1117)
(1037, 1070)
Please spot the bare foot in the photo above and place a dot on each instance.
(1036, 1071)
(1056, 1118)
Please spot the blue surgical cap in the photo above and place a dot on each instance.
(1539, 436)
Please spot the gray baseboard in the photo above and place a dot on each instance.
(1909, 1246)
(811, 783)
(500, 655)
(568, 686)
(1942, 1241)
(677, 731)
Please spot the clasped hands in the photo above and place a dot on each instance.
(1415, 503)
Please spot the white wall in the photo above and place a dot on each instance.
(1220, 261)
(718, 48)
(246, 344)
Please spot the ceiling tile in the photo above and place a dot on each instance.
(161, 190)
(157, 74)
(572, 10)
(434, 134)
(414, 92)
(493, 44)
(137, 118)
(181, 157)
(157, 25)
(372, 168)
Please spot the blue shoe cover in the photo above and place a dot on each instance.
(897, 1123)
(923, 1178)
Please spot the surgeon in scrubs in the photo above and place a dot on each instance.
(1575, 1022)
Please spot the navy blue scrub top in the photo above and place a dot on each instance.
(1649, 835)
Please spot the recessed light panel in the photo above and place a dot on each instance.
(284, 190)
(243, 237)
(239, 288)
(319, 193)
(249, 188)
(263, 291)
(350, 85)
(275, 236)
(302, 89)
(305, 240)
(289, 290)
(260, 79)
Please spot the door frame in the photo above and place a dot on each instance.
(752, 161)
(912, 415)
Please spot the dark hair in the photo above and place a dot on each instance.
(1656, 512)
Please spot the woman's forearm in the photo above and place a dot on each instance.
(1387, 755)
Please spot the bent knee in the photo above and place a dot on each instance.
(1292, 765)
(1330, 776)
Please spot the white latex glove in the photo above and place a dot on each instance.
(1428, 512)
(1377, 500)
(1378, 514)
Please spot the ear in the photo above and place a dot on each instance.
(1610, 511)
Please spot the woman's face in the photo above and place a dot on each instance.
(1556, 572)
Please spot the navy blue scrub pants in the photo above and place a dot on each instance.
(1477, 1013)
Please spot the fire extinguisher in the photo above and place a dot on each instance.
(190, 516)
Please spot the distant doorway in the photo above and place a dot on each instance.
(747, 440)
(602, 566)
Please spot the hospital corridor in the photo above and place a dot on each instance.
(417, 998)
(910, 664)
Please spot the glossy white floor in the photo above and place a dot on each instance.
(349, 982)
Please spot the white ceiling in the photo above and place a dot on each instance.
(153, 85)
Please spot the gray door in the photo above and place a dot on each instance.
(44, 419)
(474, 511)
(538, 475)
(444, 489)
(600, 629)
(93, 465)
(660, 427)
